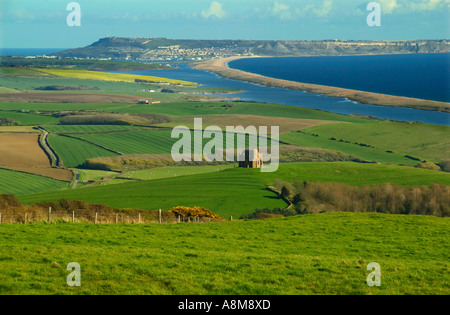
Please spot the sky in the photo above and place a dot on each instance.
(43, 24)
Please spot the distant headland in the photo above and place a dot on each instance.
(148, 49)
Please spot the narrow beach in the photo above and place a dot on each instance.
(220, 67)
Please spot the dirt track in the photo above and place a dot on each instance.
(68, 98)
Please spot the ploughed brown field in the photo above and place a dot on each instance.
(219, 66)
(21, 152)
(286, 124)
(68, 98)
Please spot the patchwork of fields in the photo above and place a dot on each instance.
(233, 191)
(129, 166)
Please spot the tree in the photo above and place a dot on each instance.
(286, 191)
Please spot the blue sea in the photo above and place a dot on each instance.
(264, 94)
(424, 76)
(25, 52)
(364, 68)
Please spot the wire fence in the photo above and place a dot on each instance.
(98, 217)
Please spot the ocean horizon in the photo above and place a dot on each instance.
(28, 52)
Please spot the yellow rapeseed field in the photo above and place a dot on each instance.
(106, 76)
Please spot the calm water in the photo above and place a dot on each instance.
(259, 93)
(24, 52)
(425, 76)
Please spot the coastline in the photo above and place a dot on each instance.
(220, 67)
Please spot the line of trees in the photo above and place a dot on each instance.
(385, 198)
(4, 121)
(113, 119)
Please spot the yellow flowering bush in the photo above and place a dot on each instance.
(193, 212)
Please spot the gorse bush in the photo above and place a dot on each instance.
(428, 165)
(193, 212)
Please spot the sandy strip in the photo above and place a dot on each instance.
(220, 67)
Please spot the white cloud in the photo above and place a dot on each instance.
(215, 10)
(428, 5)
(326, 8)
(281, 10)
(388, 6)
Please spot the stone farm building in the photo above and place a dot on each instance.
(250, 159)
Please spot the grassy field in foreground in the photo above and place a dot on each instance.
(310, 254)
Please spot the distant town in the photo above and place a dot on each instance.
(162, 49)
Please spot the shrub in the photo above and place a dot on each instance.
(193, 212)
(113, 119)
(8, 122)
(9, 201)
(260, 214)
(445, 166)
(428, 165)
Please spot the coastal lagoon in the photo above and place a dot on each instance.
(259, 93)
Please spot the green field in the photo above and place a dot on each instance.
(421, 140)
(324, 253)
(233, 192)
(225, 193)
(7, 90)
(365, 153)
(94, 175)
(28, 119)
(17, 183)
(134, 142)
(166, 172)
(310, 254)
(69, 129)
(74, 152)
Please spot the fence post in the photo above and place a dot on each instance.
(139, 222)
(96, 216)
(0, 218)
(73, 216)
(49, 215)
(160, 219)
(117, 218)
(231, 218)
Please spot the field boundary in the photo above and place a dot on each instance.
(55, 160)
(23, 172)
(51, 216)
(90, 142)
